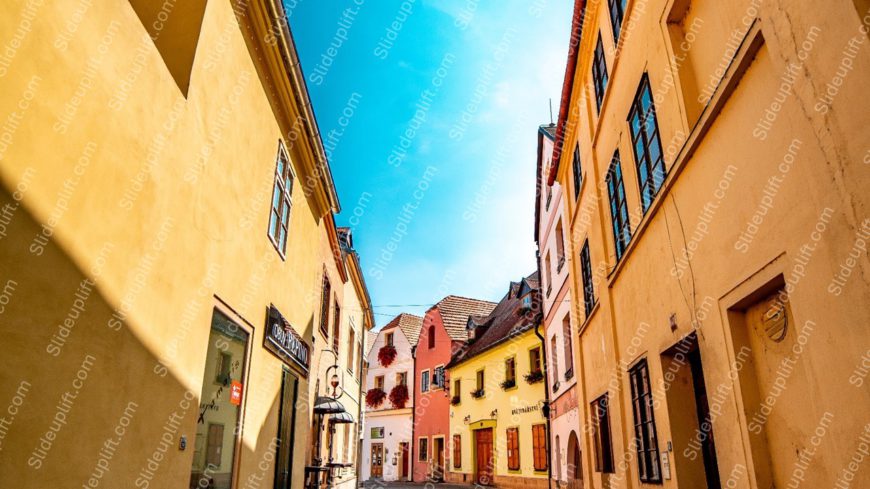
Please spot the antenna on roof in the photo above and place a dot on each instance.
(551, 111)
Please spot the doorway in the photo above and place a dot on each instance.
(575, 468)
(438, 459)
(377, 468)
(404, 460)
(689, 411)
(286, 428)
(483, 465)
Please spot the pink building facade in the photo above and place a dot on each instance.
(443, 333)
(559, 330)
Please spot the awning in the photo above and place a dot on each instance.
(328, 405)
(338, 418)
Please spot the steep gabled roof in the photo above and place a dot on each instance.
(504, 322)
(455, 311)
(409, 324)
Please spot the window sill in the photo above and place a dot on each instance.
(275, 245)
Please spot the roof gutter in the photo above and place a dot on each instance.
(567, 86)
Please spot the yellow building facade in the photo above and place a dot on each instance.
(160, 325)
(498, 429)
(716, 244)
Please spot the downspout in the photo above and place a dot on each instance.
(538, 320)
(359, 415)
(413, 417)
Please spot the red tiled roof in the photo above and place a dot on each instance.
(409, 324)
(503, 323)
(455, 311)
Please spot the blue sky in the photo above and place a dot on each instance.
(429, 111)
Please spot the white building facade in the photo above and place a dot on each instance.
(387, 436)
(559, 330)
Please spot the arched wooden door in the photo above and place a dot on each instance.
(575, 467)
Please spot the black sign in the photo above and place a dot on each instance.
(280, 339)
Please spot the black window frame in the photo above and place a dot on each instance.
(599, 73)
(644, 129)
(616, 9)
(586, 272)
(619, 218)
(577, 170)
(645, 434)
(601, 436)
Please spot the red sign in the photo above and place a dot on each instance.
(236, 393)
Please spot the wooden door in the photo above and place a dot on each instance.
(483, 467)
(286, 428)
(438, 470)
(377, 460)
(214, 445)
(404, 460)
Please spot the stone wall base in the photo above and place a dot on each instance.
(518, 482)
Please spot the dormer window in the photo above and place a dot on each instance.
(527, 301)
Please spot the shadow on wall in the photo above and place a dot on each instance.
(79, 396)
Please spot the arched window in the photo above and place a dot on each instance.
(431, 337)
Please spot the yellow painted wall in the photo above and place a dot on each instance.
(162, 199)
(822, 203)
(496, 398)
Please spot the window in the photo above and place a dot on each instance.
(431, 337)
(644, 424)
(599, 73)
(378, 432)
(423, 444)
(569, 347)
(402, 378)
(618, 206)
(224, 365)
(617, 10)
(480, 380)
(389, 339)
(586, 270)
(438, 377)
(457, 451)
(424, 381)
(647, 146)
(554, 362)
(279, 219)
(510, 370)
(549, 274)
(457, 390)
(351, 352)
(549, 196)
(539, 446)
(324, 306)
(379, 382)
(513, 448)
(527, 301)
(578, 176)
(560, 247)
(535, 360)
(601, 435)
(336, 328)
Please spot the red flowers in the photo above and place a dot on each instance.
(386, 355)
(375, 397)
(399, 396)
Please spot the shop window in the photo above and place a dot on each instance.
(513, 448)
(457, 451)
(618, 206)
(649, 469)
(646, 144)
(279, 218)
(218, 427)
(539, 446)
(424, 449)
(601, 435)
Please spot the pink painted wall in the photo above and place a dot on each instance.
(432, 408)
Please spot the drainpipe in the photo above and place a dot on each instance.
(538, 321)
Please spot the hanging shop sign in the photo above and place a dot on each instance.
(281, 339)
